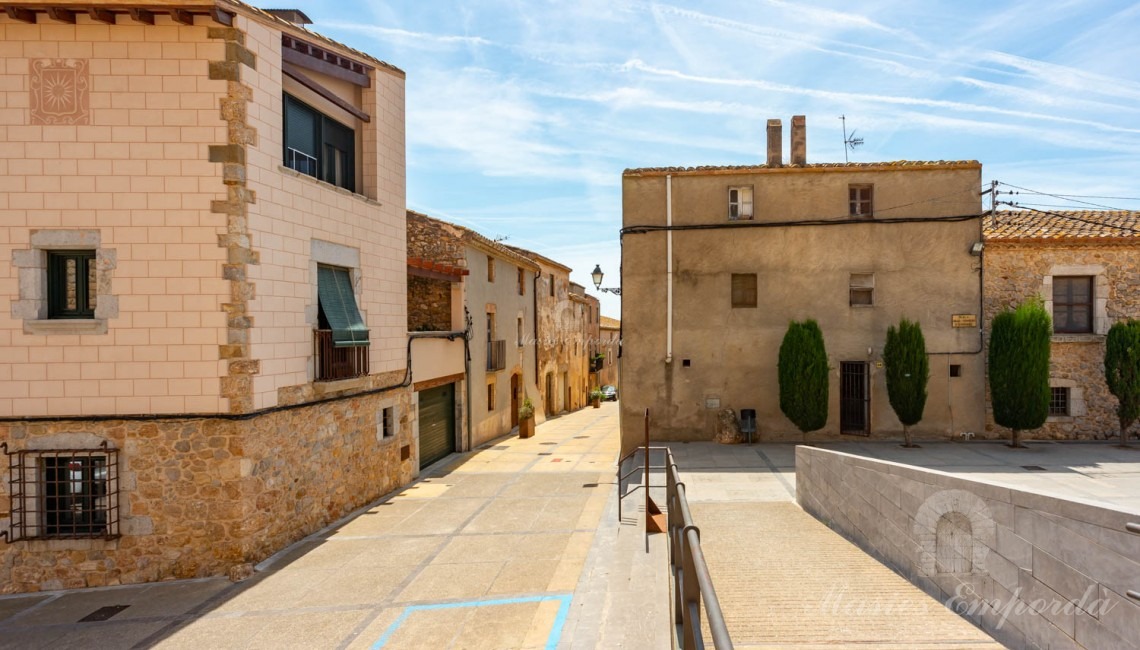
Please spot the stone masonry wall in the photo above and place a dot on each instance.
(429, 309)
(1014, 272)
(200, 496)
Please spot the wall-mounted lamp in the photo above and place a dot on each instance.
(977, 248)
(597, 276)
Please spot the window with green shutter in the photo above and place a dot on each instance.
(337, 307)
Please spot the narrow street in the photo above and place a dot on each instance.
(513, 546)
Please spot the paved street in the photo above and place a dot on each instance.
(514, 546)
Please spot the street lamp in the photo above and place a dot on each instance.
(597, 276)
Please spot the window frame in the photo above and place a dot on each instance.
(735, 206)
(1060, 401)
(329, 134)
(860, 284)
(58, 284)
(856, 200)
(491, 403)
(1069, 306)
(738, 287)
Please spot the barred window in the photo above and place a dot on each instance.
(63, 493)
(1059, 400)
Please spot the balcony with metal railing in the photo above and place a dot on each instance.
(334, 363)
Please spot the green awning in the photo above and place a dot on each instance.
(334, 290)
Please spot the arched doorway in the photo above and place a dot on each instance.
(515, 390)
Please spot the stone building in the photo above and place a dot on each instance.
(561, 336)
(585, 315)
(497, 303)
(202, 288)
(1085, 266)
(716, 261)
(609, 346)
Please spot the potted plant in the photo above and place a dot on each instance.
(526, 418)
(596, 397)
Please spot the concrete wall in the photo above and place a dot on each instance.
(1017, 271)
(1031, 570)
(922, 271)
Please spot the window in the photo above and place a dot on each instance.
(522, 282)
(71, 284)
(64, 494)
(859, 199)
(739, 203)
(743, 290)
(1059, 400)
(955, 370)
(862, 290)
(388, 421)
(520, 339)
(341, 339)
(1073, 304)
(490, 269)
(317, 145)
(551, 285)
(490, 397)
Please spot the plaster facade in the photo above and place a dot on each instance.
(169, 166)
(610, 345)
(807, 254)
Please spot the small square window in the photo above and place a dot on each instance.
(1059, 400)
(388, 419)
(739, 203)
(859, 199)
(71, 284)
(743, 290)
(955, 370)
(1073, 304)
(862, 290)
(490, 269)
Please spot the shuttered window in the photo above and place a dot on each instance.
(337, 304)
(743, 290)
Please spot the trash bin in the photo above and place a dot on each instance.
(748, 423)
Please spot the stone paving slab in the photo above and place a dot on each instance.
(511, 546)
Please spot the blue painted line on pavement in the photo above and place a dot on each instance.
(551, 640)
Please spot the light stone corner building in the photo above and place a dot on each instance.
(203, 311)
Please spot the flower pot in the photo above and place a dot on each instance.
(526, 427)
(596, 403)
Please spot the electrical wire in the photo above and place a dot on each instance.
(643, 229)
(1058, 196)
(1073, 218)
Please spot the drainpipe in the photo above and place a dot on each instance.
(467, 369)
(669, 268)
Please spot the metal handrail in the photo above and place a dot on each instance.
(692, 583)
(1132, 527)
(622, 494)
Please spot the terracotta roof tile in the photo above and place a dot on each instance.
(610, 323)
(1062, 225)
(897, 164)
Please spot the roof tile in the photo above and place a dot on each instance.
(1058, 225)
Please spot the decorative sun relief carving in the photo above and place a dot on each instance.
(60, 91)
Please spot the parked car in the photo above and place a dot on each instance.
(609, 393)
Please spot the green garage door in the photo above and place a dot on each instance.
(437, 424)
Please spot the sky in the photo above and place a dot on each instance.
(521, 116)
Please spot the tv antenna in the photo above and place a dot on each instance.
(849, 142)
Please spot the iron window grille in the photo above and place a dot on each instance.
(739, 203)
(1059, 400)
(860, 200)
(319, 146)
(71, 284)
(63, 493)
(1073, 304)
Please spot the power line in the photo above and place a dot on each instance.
(1057, 196)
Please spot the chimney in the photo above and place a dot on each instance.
(799, 140)
(775, 144)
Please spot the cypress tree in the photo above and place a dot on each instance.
(802, 369)
(1122, 372)
(908, 369)
(1019, 367)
